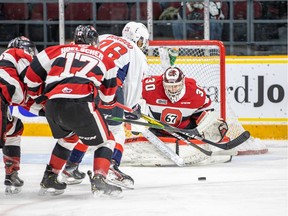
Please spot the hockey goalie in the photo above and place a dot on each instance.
(179, 101)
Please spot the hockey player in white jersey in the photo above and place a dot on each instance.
(127, 52)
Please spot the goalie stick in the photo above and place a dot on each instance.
(193, 133)
(151, 137)
(174, 134)
(193, 158)
(204, 151)
(225, 146)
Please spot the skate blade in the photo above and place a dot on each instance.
(126, 184)
(71, 180)
(113, 195)
(49, 192)
(11, 190)
(113, 178)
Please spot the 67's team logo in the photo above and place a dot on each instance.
(171, 116)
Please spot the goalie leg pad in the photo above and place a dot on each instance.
(211, 127)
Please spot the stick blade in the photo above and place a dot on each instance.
(238, 140)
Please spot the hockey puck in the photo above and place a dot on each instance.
(201, 178)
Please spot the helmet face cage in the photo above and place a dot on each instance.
(86, 35)
(138, 33)
(173, 83)
(23, 43)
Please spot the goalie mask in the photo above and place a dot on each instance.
(138, 33)
(23, 43)
(86, 35)
(173, 83)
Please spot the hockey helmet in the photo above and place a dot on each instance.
(86, 35)
(173, 83)
(138, 33)
(24, 43)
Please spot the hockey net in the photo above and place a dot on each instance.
(205, 62)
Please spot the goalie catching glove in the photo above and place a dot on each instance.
(135, 114)
(211, 127)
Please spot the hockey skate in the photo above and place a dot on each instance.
(100, 188)
(116, 177)
(50, 184)
(71, 174)
(13, 183)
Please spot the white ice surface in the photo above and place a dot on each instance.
(254, 185)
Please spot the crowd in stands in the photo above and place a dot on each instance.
(173, 12)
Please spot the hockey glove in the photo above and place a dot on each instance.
(135, 114)
(211, 127)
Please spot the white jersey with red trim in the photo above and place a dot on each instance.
(132, 65)
(177, 114)
(71, 71)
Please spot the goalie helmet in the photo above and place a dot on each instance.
(86, 35)
(23, 43)
(173, 83)
(138, 33)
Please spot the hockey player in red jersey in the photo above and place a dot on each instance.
(66, 79)
(126, 51)
(178, 100)
(13, 63)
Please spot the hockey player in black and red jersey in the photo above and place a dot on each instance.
(127, 53)
(178, 100)
(13, 64)
(66, 79)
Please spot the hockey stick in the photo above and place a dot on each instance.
(174, 134)
(173, 131)
(225, 146)
(206, 152)
(151, 137)
(193, 133)
(117, 119)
